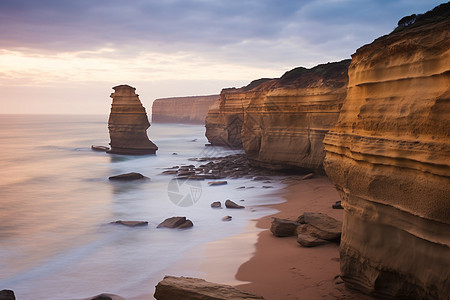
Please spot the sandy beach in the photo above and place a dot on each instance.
(282, 269)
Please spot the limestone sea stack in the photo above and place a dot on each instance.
(183, 110)
(389, 157)
(128, 124)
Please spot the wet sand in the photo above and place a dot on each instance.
(282, 269)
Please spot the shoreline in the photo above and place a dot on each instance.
(282, 269)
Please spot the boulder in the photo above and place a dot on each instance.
(176, 222)
(187, 288)
(308, 229)
(325, 227)
(283, 227)
(216, 204)
(227, 218)
(231, 204)
(7, 295)
(128, 176)
(307, 240)
(131, 223)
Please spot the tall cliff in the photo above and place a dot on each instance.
(389, 157)
(281, 122)
(128, 123)
(184, 110)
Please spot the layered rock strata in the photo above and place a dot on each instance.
(184, 110)
(281, 122)
(226, 116)
(389, 157)
(128, 123)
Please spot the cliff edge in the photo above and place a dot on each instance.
(389, 158)
(281, 122)
(184, 110)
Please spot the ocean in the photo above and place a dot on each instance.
(56, 203)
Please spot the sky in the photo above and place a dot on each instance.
(64, 56)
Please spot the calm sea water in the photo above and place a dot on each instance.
(56, 203)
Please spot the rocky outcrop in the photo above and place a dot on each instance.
(281, 123)
(128, 124)
(226, 116)
(389, 157)
(184, 110)
(188, 288)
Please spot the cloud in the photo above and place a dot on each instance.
(207, 43)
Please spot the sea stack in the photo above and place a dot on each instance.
(389, 158)
(128, 123)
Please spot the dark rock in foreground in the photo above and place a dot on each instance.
(128, 176)
(176, 222)
(131, 223)
(231, 204)
(283, 227)
(186, 288)
(7, 295)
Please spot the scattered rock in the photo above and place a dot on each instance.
(227, 218)
(231, 204)
(131, 223)
(329, 228)
(7, 295)
(128, 176)
(216, 204)
(176, 222)
(337, 205)
(308, 176)
(307, 240)
(283, 227)
(212, 183)
(100, 148)
(170, 172)
(260, 178)
(187, 288)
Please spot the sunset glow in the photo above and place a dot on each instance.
(61, 52)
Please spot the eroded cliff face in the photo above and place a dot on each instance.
(286, 122)
(225, 118)
(184, 110)
(389, 157)
(281, 122)
(128, 123)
